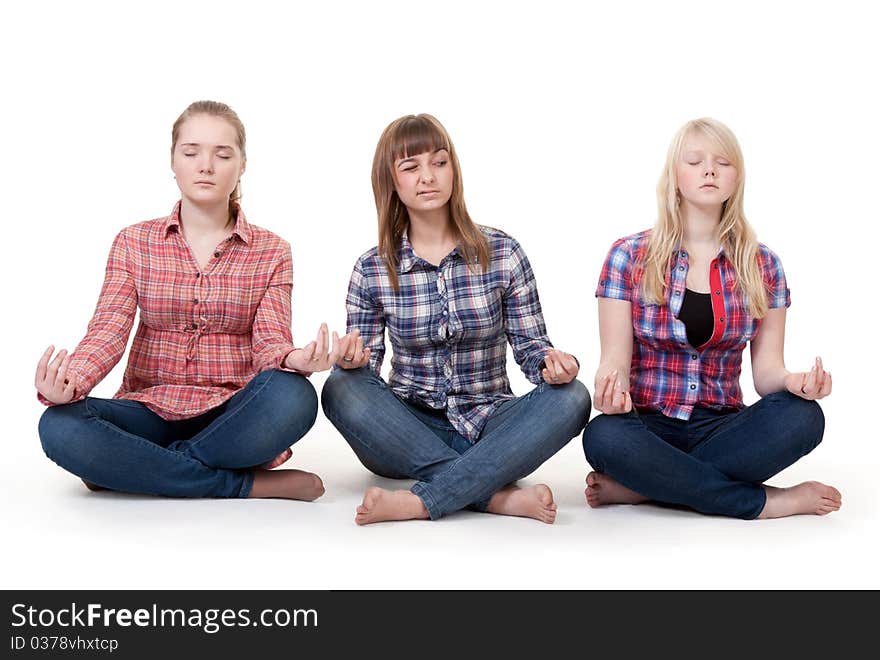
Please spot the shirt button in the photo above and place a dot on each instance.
(195, 301)
(721, 319)
(715, 266)
(693, 387)
(444, 312)
(683, 253)
(198, 275)
(217, 254)
(193, 326)
(694, 356)
(717, 293)
(677, 293)
(681, 267)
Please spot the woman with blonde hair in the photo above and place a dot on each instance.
(214, 393)
(451, 294)
(677, 305)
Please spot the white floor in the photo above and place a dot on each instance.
(59, 535)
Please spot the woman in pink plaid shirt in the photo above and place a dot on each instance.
(214, 393)
(677, 306)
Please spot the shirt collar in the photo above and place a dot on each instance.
(406, 256)
(242, 228)
(681, 252)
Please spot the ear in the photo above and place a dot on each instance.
(243, 166)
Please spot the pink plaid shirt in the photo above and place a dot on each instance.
(203, 334)
(667, 374)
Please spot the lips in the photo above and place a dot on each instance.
(709, 185)
(205, 183)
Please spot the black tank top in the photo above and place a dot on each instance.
(697, 316)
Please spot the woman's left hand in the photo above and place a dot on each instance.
(559, 368)
(812, 384)
(317, 355)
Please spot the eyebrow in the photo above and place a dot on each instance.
(196, 144)
(413, 158)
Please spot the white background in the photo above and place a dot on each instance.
(561, 116)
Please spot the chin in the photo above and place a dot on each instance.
(206, 196)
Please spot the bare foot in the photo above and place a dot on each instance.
(532, 502)
(93, 487)
(283, 457)
(380, 505)
(287, 484)
(602, 489)
(808, 497)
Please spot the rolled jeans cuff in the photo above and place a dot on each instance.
(420, 489)
(247, 484)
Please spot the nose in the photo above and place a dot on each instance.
(427, 175)
(205, 165)
(710, 169)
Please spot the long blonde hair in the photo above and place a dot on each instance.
(737, 236)
(214, 109)
(404, 137)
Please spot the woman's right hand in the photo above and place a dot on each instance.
(53, 380)
(611, 395)
(356, 356)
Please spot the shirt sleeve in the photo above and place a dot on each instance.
(108, 331)
(523, 320)
(364, 313)
(615, 280)
(778, 294)
(270, 335)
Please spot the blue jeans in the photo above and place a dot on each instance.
(123, 445)
(397, 439)
(715, 462)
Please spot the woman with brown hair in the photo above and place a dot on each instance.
(214, 393)
(451, 295)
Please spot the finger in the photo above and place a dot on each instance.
(810, 386)
(826, 386)
(52, 369)
(308, 351)
(42, 364)
(619, 396)
(62, 373)
(343, 344)
(351, 345)
(571, 365)
(323, 342)
(628, 405)
(69, 387)
(358, 350)
(820, 374)
(335, 352)
(366, 359)
(546, 375)
(550, 363)
(598, 390)
(608, 393)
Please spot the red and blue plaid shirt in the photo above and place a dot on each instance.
(449, 326)
(203, 333)
(667, 373)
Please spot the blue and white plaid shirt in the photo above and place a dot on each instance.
(449, 327)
